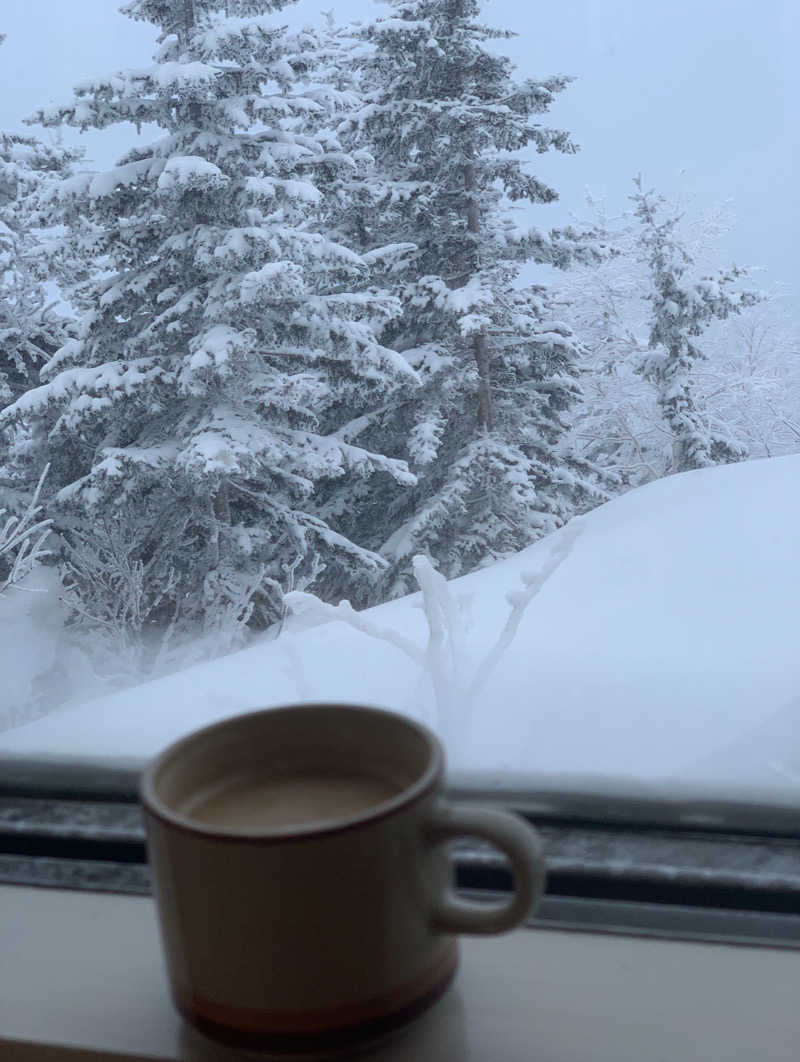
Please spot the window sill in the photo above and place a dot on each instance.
(82, 979)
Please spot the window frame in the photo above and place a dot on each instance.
(707, 870)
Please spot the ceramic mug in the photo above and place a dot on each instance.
(327, 925)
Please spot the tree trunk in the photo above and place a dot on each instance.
(188, 16)
(479, 344)
(222, 507)
(485, 419)
(186, 21)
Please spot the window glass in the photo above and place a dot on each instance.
(341, 359)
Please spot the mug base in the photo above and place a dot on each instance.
(320, 1042)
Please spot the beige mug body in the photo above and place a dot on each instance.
(330, 933)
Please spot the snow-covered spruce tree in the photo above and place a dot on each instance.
(30, 328)
(30, 332)
(190, 421)
(445, 123)
(682, 308)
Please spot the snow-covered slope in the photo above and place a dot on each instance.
(668, 632)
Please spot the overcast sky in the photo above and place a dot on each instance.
(701, 96)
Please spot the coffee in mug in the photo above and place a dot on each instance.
(302, 879)
(289, 800)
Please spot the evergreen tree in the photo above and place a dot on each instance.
(193, 419)
(30, 328)
(682, 308)
(30, 331)
(444, 123)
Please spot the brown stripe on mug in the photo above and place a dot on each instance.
(337, 1027)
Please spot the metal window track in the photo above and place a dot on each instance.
(655, 880)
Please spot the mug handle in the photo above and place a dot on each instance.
(517, 840)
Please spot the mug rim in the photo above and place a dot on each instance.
(428, 781)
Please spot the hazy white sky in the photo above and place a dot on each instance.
(702, 96)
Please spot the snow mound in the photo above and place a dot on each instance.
(665, 634)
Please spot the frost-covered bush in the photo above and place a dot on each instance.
(22, 540)
(669, 370)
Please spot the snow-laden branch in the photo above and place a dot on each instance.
(22, 539)
(519, 601)
(443, 660)
(300, 602)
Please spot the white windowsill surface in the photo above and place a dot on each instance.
(81, 978)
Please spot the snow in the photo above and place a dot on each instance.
(403, 25)
(190, 171)
(661, 650)
(216, 346)
(261, 187)
(105, 184)
(469, 295)
(123, 376)
(302, 190)
(35, 654)
(275, 280)
(182, 76)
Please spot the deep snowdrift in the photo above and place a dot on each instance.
(667, 634)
